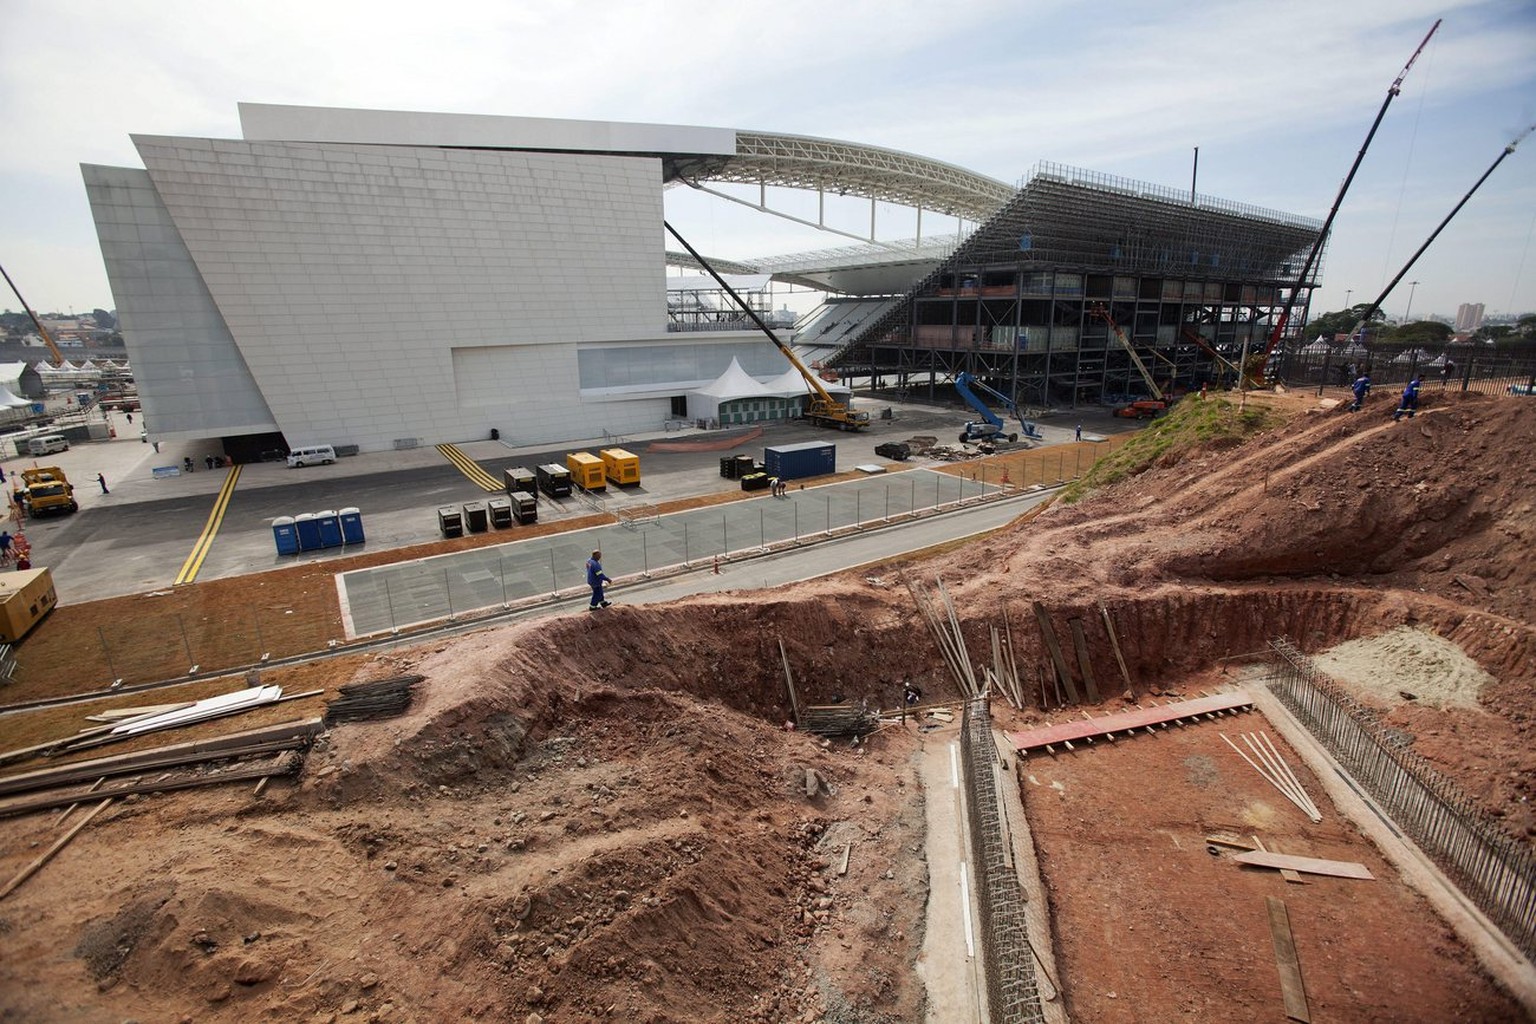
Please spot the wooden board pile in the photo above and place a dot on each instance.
(374, 699)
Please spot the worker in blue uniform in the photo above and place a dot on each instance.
(1361, 387)
(1410, 401)
(595, 579)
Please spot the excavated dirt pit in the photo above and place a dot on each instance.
(603, 818)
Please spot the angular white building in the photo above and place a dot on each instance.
(388, 280)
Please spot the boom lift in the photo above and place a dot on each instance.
(990, 426)
(821, 408)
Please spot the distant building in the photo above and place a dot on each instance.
(1469, 316)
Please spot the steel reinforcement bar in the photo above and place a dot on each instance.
(1493, 869)
(1012, 994)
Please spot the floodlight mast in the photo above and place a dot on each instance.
(1322, 235)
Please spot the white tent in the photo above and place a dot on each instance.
(735, 397)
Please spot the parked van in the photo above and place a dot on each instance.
(47, 444)
(315, 455)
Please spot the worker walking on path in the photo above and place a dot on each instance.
(1410, 402)
(102, 479)
(595, 579)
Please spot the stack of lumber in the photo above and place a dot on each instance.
(178, 766)
(374, 699)
(838, 719)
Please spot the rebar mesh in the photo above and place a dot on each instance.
(1494, 870)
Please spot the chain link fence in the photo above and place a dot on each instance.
(1007, 959)
(1494, 870)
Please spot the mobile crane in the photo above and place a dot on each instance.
(990, 426)
(821, 408)
(54, 354)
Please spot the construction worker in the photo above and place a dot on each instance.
(595, 579)
(1361, 387)
(1410, 401)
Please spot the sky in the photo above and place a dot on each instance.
(1278, 98)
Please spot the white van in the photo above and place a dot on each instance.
(315, 455)
(47, 444)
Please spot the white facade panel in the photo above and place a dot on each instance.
(190, 375)
(263, 121)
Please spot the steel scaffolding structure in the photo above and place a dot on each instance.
(1190, 280)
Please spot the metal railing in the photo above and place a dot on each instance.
(1012, 994)
(1494, 870)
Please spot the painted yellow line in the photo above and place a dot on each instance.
(194, 562)
(469, 467)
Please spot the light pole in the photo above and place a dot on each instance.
(1347, 293)
(1411, 286)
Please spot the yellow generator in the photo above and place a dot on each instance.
(586, 471)
(620, 466)
(26, 595)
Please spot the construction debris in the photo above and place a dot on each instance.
(947, 633)
(1291, 988)
(366, 701)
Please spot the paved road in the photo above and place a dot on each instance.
(137, 538)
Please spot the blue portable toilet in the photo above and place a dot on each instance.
(352, 525)
(308, 528)
(286, 536)
(330, 528)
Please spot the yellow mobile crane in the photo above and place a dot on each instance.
(1144, 408)
(822, 409)
(53, 350)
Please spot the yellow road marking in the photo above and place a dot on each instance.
(194, 562)
(469, 467)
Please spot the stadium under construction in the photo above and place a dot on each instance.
(1074, 287)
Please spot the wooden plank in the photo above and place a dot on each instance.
(59, 844)
(1080, 641)
(1289, 874)
(1048, 632)
(842, 869)
(1114, 643)
(1292, 989)
(789, 681)
(1309, 865)
(1125, 721)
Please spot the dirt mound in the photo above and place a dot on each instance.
(603, 818)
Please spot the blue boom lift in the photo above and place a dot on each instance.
(990, 426)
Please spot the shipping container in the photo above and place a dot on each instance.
(586, 471)
(26, 595)
(554, 480)
(620, 467)
(798, 461)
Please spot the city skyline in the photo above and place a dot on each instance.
(1034, 84)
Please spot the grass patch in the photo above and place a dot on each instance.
(1190, 426)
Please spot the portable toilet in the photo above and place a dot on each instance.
(519, 478)
(620, 467)
(330, 528)
(451, 521)
(500, 510)
(586, 471)
(554, 480)
(308, 529)
(352, 525)
(285, 535)
(525, 507)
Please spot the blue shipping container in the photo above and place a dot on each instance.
(797, 461)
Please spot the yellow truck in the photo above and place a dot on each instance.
(47, 491)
